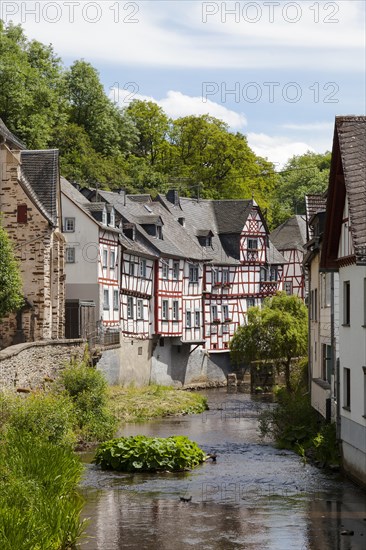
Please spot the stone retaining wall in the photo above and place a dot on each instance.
(26, 365)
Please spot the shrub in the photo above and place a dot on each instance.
(46, 416)
(146, 454)
(87, 389)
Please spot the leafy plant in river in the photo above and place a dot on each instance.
(149, 454)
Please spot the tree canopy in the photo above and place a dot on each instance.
(302, 175)
(11, 297)
(138, 147)
(278, 332)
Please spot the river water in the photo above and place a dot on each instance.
(254, 496)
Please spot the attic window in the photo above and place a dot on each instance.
(208, 241)
(104, 217)
(129, 231)
(22, 213)
(182, 221)
(113, 218)
(159, 232)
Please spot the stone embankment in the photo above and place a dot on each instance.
(26, 366)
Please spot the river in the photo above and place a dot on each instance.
(254, 496)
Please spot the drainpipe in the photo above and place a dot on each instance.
(310, 366)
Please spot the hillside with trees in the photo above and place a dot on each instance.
(138, 148)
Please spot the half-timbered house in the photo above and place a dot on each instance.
(92, 258)
(289, 238)
(30, 210)
(241, 266)
(344, 251)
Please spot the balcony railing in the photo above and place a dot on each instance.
(268, 287)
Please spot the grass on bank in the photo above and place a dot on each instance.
(130, 404)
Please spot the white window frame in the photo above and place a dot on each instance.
(193, 273)
(175, 310)
(70, 255)
(140, 309)
(66, 228)
(197, 318)
(104, 216)
(225, 311)
(251, 241)
(250, 302)
(130, 305)
(113, 218)
(164, 270)
(112, 259)
(165, 310)
(106, 299)
(188, 318)
(287, 287)
(115, 299)
(131, 268)
(214, 313)
(105, 258)
(142, 267)
(215, 276)
(225, 277)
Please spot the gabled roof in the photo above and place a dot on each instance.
(86, 206)
(9, 137)
(41, 170)
(176, 241)
(347, 179)
(291, 234)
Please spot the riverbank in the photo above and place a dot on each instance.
(148, 402)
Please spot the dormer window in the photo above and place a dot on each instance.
(205, 237)
(159, 232)
(129, 230)
(113, 218)
(104, 217)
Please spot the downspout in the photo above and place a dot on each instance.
(310, 366)
(334, 365)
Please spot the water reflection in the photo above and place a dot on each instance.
(254, 496)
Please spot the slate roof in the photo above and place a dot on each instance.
(225, 218)
(291, 234)
(314, 204)
(41, 170)
(351, 131)
(9, 136)
(176, 241)
(347, 179)
(88, 207)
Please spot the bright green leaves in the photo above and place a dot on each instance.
(11, 297)
(149, 454)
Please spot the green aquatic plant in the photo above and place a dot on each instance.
(149, 454)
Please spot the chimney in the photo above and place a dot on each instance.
(173, 196)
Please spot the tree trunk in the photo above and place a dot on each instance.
(287, 375)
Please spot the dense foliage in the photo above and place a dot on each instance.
(277, 332)
(11, 297)
(149, 454)
(86, 387)
(295, 425)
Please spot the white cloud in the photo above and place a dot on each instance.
(174, 34)
(277, 149)
(176, 105)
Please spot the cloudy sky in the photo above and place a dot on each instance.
(278, 71)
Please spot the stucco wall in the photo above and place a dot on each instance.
(128, 364)
(26, 365)
(182, 365)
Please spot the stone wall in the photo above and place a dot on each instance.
(26, 365)
(40, 251)
(128, 364)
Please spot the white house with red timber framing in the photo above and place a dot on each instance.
(290, 238)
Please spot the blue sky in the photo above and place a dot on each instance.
(277, 71)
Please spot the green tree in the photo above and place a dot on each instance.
(152, 126)
(278, 332)
(32, 98)
(302, 175)
(11, 297)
